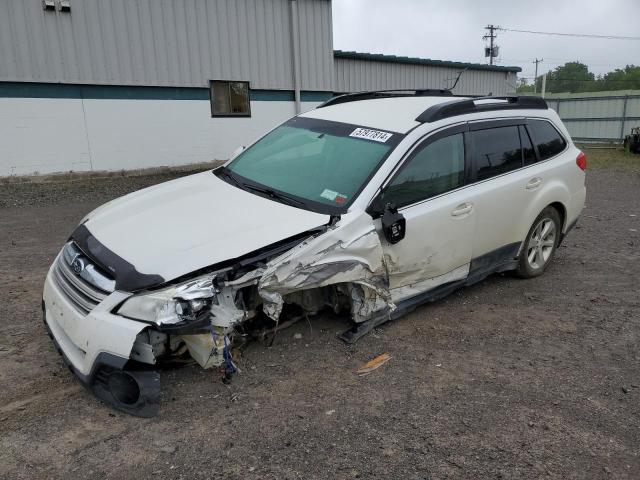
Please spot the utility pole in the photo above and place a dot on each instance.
(492, 51)
(535, 78)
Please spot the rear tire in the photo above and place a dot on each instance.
(540, 244)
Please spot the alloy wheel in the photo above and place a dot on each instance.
(541, 244)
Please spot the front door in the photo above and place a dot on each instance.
(429, 191)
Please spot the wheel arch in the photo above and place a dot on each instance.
(562, 211)
(555, 195)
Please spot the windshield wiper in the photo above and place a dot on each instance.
(273, 194)
(229, 176)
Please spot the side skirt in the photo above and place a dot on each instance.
(500, 260)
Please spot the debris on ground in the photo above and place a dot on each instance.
(374, 364)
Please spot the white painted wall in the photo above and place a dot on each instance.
(39, 136)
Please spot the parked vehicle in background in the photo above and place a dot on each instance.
(370, 205)
(632, 141)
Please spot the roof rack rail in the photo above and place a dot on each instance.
(353, 97)
(469, 105)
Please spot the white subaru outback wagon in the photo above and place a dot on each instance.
(369, 205)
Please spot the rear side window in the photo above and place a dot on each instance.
(432, 170)
(549, 142)
(496, 151)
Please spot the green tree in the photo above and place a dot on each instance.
(575, 77)
(523, 86)
(621, 79)
(571, 77)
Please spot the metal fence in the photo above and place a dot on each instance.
(598, 116)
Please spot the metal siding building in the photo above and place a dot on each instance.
(125, 84)
(358, 71)
(175, 43)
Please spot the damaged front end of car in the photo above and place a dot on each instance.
(339, 266)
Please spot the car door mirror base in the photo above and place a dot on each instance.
(393, 224)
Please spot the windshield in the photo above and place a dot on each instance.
(314, 161)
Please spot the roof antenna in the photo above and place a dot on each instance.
(457, 79)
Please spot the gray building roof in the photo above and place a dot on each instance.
(378, 57)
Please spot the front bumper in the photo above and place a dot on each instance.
(96, 348)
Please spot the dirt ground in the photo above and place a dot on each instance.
(507, 379)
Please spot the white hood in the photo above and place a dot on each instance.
(180, 226)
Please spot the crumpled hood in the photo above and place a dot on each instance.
(180, 226)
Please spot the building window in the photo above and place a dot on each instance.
(229, 99)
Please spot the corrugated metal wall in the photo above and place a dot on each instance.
(354, 75)
(598, 115)
(183, 43)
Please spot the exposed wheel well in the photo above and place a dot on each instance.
(562, 211)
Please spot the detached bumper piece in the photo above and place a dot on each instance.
(133, 391)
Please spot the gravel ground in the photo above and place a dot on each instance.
(506, 379)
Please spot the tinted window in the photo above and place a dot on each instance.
(547, 138)
(528, 154)
(496, 151)
(434, 169)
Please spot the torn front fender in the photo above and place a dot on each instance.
(349, 252)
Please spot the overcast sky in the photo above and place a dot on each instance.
(453, 30)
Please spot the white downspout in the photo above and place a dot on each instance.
(295, 39)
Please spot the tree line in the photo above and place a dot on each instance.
(575, 77)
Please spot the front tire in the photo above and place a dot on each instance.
(540, 245)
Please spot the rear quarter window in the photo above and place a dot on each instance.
(548, 140)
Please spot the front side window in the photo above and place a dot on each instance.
(432, 170)
(549, 142)
(317, 161)
(496, 151)
(230, 99)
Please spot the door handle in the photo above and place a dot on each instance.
(462, 209)
(534, 183)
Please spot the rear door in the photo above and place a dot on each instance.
(499, 150)
(429, 191)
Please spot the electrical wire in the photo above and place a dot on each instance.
(580, 35)
(583, 80)
(586, 62)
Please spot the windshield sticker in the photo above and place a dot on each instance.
(368, 134)
(329, 194)
(333, 196)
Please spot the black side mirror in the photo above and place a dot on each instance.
(393, 224)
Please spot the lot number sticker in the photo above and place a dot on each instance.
(375, 135)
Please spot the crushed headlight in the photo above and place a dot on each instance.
(180, 303)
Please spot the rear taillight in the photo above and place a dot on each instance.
(581, 161)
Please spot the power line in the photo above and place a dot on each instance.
(567, 60)
(581, 35)
(585, 80)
